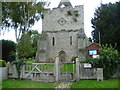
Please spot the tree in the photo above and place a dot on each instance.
(21, 15)
(106, 24)
(27, 45)
(8, 50)
(108, 60)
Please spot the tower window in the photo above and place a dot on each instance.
(53, 42)
(70, 40)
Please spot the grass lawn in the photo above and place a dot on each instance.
(68, 68)
(11, 83)
(29, 61)
(113, 83)
(0, 85)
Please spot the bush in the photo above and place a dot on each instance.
(8, 50)
(108, 60)
(2, 63)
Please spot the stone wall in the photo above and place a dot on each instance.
(62, 42)
(61, 24)
(41, 55)
(83, 42)
(52, 17)
(3, 73)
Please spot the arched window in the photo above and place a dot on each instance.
(70, 40)
(53, 41)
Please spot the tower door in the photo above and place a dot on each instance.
(62, 56)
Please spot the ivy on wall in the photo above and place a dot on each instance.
(82, 50)
(43, 36)
(73, 13)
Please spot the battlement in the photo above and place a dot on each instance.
(50, 10)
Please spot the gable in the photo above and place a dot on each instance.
(93, 46)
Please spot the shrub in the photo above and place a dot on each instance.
(8, 50)
(69, 12)
(2, 63)
(108, 60)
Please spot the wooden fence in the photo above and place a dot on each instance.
(49, 72)
(87, 72)
(57, 71)
(67, 71)
(38, 72)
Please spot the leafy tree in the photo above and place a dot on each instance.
(90, 39)
(108, 60)
(27, 45)
(21, 15)
(106, 24)
(8, 50)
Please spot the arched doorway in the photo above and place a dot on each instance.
(62, 56)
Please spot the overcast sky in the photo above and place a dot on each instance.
(89, 9)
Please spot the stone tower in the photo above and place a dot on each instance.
(62, 34)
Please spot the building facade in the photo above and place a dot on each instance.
(63, 34)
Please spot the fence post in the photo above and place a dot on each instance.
(77, 69)
(57, 70)
(99, 74)
(14, 71)
(9, 69)
(23, 72)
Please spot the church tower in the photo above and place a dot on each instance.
(62, 33)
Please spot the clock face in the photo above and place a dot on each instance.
(62, 21)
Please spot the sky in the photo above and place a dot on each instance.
(89, 9)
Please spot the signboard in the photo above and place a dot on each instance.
(92, 52)
(87, 65)
(95, 56)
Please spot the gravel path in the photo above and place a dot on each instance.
(63, 85)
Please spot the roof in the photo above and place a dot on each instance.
(93, 46)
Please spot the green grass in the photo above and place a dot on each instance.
(14, 83)
(10, 83)
(29, 61)
(45, 67)
(113, 83)
(0, 85)
(68, 68)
